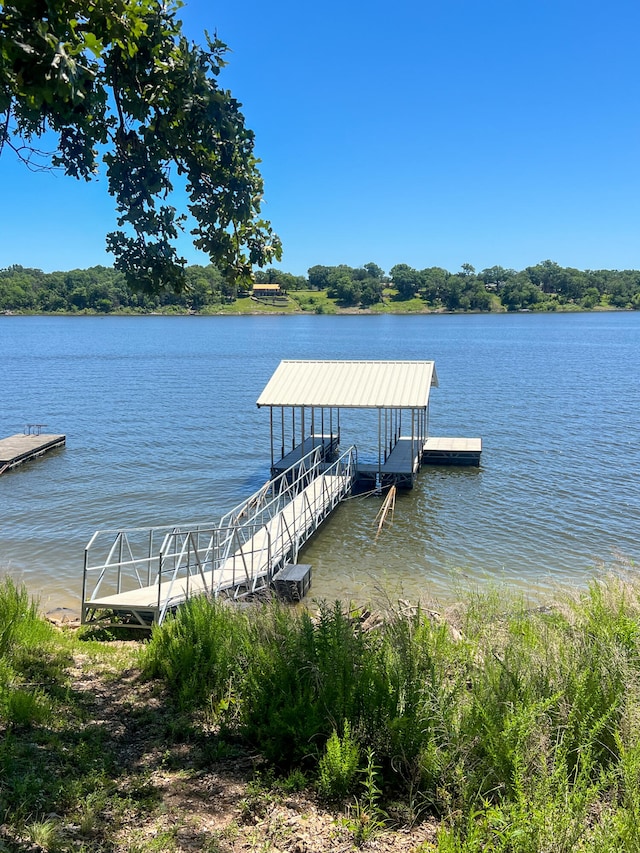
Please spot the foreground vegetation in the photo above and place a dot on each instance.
(493, 727)
(543, 287)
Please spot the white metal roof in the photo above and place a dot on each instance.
(351, 384)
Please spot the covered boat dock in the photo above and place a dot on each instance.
(305, 399)
(137, 576)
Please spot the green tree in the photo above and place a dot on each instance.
(319, 276)
(546, 275)
(406, 280)
(371, 290)
(479, 298)
(342, 285)
(520, 293)
(496, 277)
(286, 280)
(374, 270)
(591, 298)
(453, 294)
(118, 76)
(624, 288)
(434, 283)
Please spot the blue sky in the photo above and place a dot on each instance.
(428, 133)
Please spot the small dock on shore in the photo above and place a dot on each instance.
(23, 447)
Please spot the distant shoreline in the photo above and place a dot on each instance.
(339, 312)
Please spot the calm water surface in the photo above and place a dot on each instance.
(162, 428)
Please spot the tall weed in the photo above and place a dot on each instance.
(338, 767)
(17, 612)
(200, 653)
(304, 679)
(521, 727)
(27, 659)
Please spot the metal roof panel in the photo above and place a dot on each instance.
(350, 384)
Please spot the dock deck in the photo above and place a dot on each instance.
(399, 468)
(328, 444)
(452, 451)
(20, 448)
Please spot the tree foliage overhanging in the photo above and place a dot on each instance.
(543, 287)
(117, 79)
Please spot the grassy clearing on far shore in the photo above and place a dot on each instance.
(505, 728)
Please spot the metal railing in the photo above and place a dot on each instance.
(238, 555)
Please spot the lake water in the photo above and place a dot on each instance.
(162, 428)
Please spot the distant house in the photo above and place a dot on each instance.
(263, 290)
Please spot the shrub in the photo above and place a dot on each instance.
(307, 677)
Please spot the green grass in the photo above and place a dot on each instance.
(314, 301)
(246, 305)
(525, 727)
(518, 731)
(404, 306)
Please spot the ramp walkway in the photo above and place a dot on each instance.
(135, 580)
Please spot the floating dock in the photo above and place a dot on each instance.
(128, 578)
(399, 468)
(305, 399)
(20, 448)
(452, 451)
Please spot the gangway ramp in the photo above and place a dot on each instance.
(137, 582)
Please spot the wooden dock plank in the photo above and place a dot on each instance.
(455, 445)
(19, 448)
(452, 451)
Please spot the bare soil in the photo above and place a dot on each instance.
(203, 803)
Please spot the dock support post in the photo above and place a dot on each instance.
(149, 554)
(159, 584)
(189, 543)
(386, 446)
(413, 432)
(271, 432)
(119, 563)
(84, 582)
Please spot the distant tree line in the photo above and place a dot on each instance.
(543, 287)
(103, 290)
